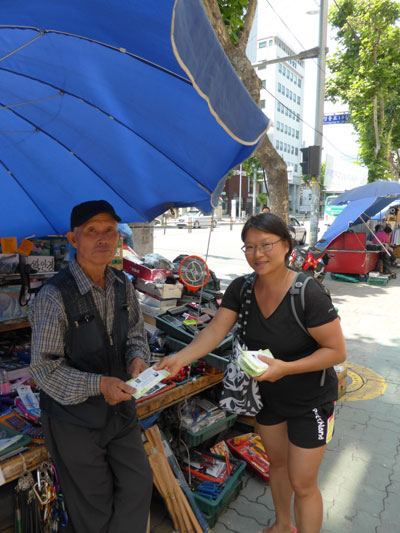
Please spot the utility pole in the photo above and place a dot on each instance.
(240, 192)
(254, 190)
(319, 116)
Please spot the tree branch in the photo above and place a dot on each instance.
(248, 23)
(214, 15)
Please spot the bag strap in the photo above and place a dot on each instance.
(245, 300)
(298, 288)
(297, 298)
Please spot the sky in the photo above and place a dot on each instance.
(292, 21)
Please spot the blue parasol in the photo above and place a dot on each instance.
(132, 101)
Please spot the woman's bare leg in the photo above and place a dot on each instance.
(276, 444)
(303, 473)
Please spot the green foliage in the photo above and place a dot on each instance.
(262, 198)
(233, 12)
(250, 165)
(364, 74)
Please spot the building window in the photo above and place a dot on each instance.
(281, 145)
(285, 128)
(271, 42)
(299, 82)
(298, 118)
(287, 73)
(263, 84)
(278, 125)
(298, 100)
(295, 78)
(285, 147)
(295, 168)
(287, 91)
(262, 104)
(279, 87)
(291, 76)
(290, 114)
(296, 151)
(280, 67)
(277, 144)
(292, 151)
(283, 70)
(286, 111)
(297, 134)
(291, 95)
(262, 67)
(292, 132)
(262, 44)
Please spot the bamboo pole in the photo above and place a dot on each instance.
(180, 507)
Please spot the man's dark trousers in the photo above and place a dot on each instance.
(104, 474)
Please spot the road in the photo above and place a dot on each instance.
(220, 247)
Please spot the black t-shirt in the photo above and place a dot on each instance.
(295, 394)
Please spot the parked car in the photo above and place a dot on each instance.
(198, 220)
(297, 230)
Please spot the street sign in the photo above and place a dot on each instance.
(337, 118)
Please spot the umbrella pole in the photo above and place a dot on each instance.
(374, 234)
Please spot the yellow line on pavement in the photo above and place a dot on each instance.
(362, 384)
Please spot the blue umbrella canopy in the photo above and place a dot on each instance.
(375, 189)
(133, 102)
(355, 213)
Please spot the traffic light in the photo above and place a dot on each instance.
(311, 160)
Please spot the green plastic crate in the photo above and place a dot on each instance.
(194, 439)
(211, 509)
(381, 280)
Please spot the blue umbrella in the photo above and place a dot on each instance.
(355, 213)
(375, 189)
(132, 101)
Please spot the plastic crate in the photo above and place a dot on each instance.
(379, 280)
(194, 439)
(181, 334)
(216, 361)
(211, 509)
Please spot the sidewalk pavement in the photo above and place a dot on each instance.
(360, 473)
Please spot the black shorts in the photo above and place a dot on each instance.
(310, 430)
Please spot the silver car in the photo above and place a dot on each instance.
(199, 220)
(297, 230)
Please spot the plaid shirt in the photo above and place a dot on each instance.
(49, 322)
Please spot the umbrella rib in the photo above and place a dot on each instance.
(37, 128)
(61, 92)
(27, 193)
(121, 50)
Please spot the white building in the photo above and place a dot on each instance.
(282, 98)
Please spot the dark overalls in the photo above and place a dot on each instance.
(97, 449)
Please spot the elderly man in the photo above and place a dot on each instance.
(87, 340)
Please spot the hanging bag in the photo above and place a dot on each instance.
(240, 393)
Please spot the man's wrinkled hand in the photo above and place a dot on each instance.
(115, 390)
(137, 366)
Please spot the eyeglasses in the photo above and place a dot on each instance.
(265, 248)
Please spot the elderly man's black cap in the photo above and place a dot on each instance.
(81, 213)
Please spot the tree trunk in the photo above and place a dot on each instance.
(269, 158)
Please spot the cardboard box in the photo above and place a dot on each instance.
(146, 273)
(341, 372)
(159, 290)
(160, 305)
(41, 263)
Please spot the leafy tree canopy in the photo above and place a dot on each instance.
(364, 74)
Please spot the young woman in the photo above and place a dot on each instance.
(296, 420)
